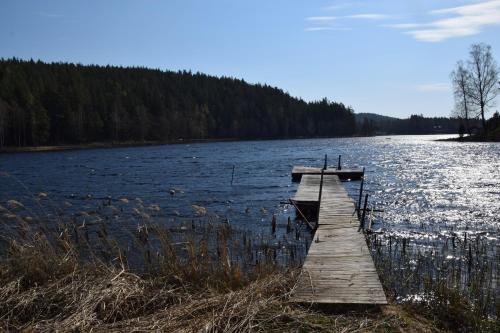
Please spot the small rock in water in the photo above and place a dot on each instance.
(124, 200)
(263, 210)
(154, 208)
(42, 195)
(199, 210)
(13, 204)
(172, 192)
(141, 214)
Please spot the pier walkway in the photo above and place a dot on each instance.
(338, 268)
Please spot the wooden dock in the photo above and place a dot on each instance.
(338, 268)
(343, 174)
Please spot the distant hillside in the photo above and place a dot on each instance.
(59, 103)
(360, 117)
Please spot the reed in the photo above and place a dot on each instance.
(452, 279)
(72, 273)
(125, 266)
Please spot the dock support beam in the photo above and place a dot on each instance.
(339, 167)
(360, 195)
(362, 221)
(319, 196)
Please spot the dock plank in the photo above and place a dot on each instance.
(343, 174)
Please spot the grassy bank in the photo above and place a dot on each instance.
(196, 276)
(46, 288)
(101, 299)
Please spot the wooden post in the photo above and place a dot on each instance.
(360, 195)
(370, 221)
(232, 175)
(362, 221)
(339, 167)
(319, 196)
(326, 162)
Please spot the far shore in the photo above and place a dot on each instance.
(468, 138)
(99, 145)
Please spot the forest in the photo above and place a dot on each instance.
(374, 124)
(63, 103)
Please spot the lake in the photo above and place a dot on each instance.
(417, 181)
(432, 194)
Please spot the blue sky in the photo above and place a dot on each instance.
(387, 57)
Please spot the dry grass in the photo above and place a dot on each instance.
(76, 278)
(45, 288)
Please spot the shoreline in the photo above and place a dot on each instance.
(468, 139)
(125, 144)
(102, 145)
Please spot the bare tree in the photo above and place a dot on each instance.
(461, 80)
(483, 71)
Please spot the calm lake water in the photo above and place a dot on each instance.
(426, 188)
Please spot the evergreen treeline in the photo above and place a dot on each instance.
(61, 103)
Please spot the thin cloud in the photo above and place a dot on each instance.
(50, 15)
(464, 21)
(403, 25)
(368, 16)
(312, 29)
(433, 87)
(473, 9)
(321, 18)
(325, 22)
(341, 6)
